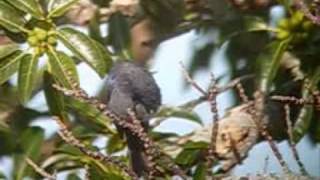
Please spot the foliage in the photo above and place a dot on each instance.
(37, 28)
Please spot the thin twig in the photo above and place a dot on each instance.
(234, 82)
(292, 100)
(67, 136)
(291, 141)
(193, 103)
(191, 81)
(257, 113)
(39, 170)
(150, 151)
(316, 97)
(212, 99)
(289, 123)
(244, 98)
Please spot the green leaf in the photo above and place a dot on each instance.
(251, 25)
(26, 76)
(30, 141)
(196, 145)
(61, 161)
(115, 144)
(54, 98)
(303, 122)
(10, 18)
(7, 141)
(255, 24)
(270, 60)
(57, 8)
(9, 65)
(63, 68)
(108, 172)
(201, 172)
(166, 112)
(158, 136)
(86, 49)
(7, 49)
(190, 153)
(2, 176)
(107, 57)
(316, 129)
(187, 157)
(119, 33)
(91, 113)
(29, 6)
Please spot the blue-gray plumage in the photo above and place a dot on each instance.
(131, 85)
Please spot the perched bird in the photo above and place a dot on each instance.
(131, 85)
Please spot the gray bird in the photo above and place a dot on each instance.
(131, 85)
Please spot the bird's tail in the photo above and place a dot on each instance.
(137, 157)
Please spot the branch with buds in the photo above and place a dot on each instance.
(151, 150)
(67, 136)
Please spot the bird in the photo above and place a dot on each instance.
(130, 85)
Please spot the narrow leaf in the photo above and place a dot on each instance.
(7, 49)
(63, 68)
(305, 115)
(29, 6)
(54, 98)
(187, 157)
(316, 129)
(196, 145)
(59, 161)
(57, 8)
(255, 24)
(105, 171)
(26, 76)
(251, 24)
(115, 144)
(201, 172)
(10, 18)
(158, 136)
(166, 112)
(106, 56)
(91, 113)
(30, 142)
(9, 65)
(270, 62)
(86, 49)
(119, 33)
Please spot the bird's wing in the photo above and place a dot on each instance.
(133, 86)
